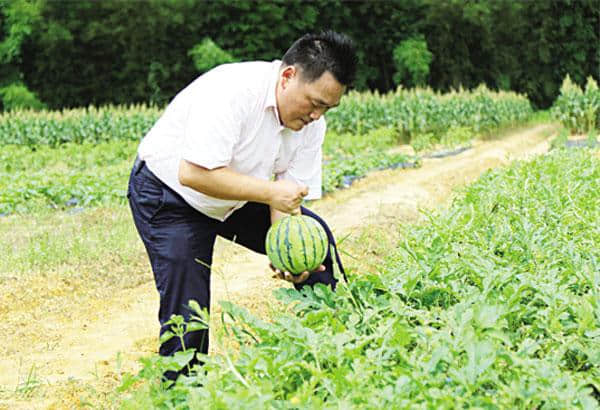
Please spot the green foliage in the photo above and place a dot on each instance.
(95, 171)
(420, 111)
(69, 176)
(402, 114)
(16, 96)
(207, 55)
(83, 157)
(492, 304)
(560, 140)
(457, 136)
(342, 171)
(423, 141)
(592, 138)
(524, 46)
(115, 52)
(412, 60)
(91, 125)
(112, 52)
(348, 156)
(120, 52)
(576, 109)
(452, 138)
(19, 16)
(17, 19)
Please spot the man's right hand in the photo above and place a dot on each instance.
(287, 196)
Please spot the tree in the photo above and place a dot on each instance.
(18, 18)
(412, 59)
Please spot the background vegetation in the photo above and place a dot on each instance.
(77, 53)
(82, 157)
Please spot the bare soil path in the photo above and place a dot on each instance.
(52, 361)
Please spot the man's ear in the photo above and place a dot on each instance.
(287, 74)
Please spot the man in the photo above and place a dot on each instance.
(237, 149)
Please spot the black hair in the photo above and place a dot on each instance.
(327, 51)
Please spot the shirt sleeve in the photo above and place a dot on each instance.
(306, 165)
(213, 127)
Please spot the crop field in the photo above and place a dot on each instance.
(493, 303)
(474, 279)
(82, 157)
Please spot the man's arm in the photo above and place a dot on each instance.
(225, 183)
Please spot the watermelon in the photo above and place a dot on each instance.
(296, 243)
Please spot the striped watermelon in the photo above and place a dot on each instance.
(296, 243)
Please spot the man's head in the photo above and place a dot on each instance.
(314, 74)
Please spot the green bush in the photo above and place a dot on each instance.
(412, 60)
(423, 141)
(207, 55)
(16, 96)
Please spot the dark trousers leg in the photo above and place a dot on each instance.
(175, 237)
(249, 226)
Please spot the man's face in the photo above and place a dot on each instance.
(301, 102)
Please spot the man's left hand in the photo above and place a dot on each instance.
(296, 279)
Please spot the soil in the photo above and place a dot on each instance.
(81, 355)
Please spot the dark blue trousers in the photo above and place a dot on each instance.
(176, 235)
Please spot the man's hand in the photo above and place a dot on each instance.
(287, 196)
(296, 279)
(224, 183)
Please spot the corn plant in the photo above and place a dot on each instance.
(92, 125)
(421, 111)
(577, 109)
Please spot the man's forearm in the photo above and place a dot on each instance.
(224, 183)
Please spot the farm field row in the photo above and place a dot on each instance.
(410, 112)
(75, 176)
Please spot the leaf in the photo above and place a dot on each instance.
(592, 334)
(480, 356)
(439, 354)
(196, 326)
(488, 315)
(166, 336)
(182, 358)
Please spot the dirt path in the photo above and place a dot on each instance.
(86, 348)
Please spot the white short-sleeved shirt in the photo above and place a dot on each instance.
(228, 117)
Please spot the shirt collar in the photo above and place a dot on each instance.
(271, 101)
